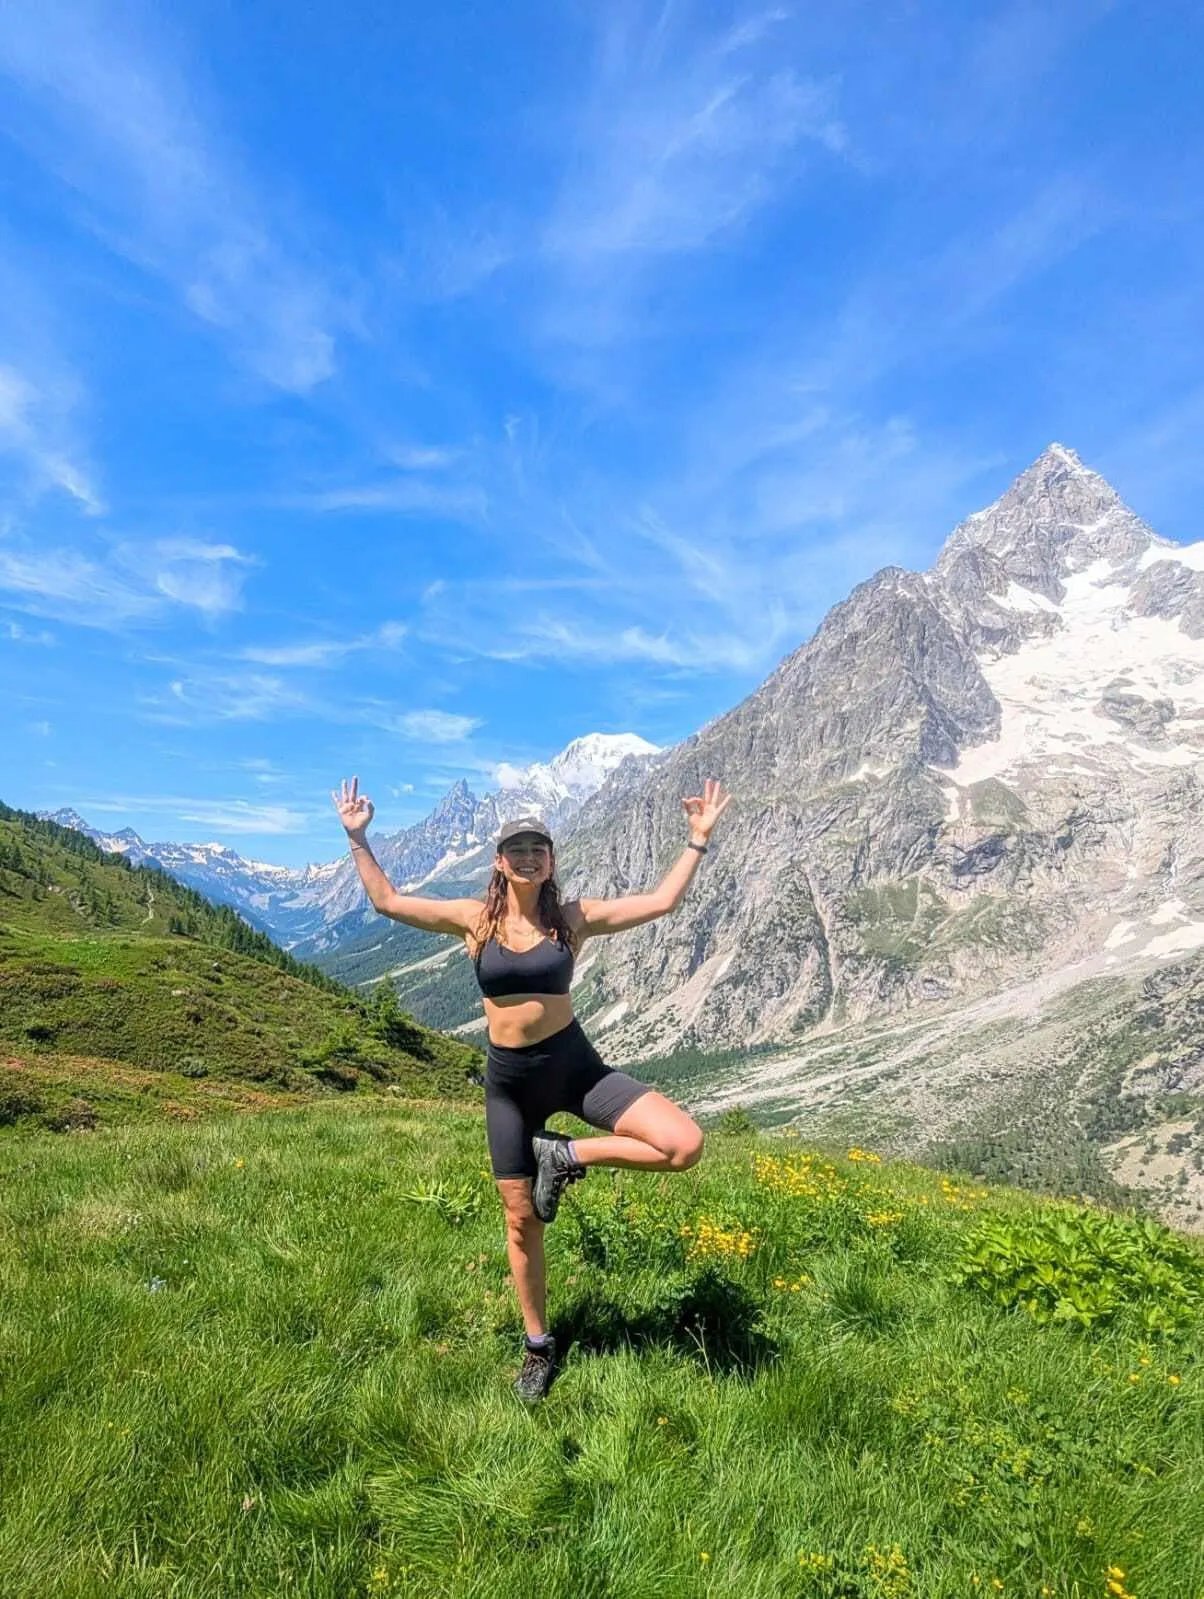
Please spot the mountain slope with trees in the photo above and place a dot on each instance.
(122, 992)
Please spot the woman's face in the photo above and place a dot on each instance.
(525, 859)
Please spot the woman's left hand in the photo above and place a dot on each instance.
(704, 810)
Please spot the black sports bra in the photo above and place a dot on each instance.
(545, 969)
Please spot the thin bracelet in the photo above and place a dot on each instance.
(701, 848)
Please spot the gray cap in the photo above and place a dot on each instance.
(524, 824)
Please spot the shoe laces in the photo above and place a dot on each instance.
(534, 1362)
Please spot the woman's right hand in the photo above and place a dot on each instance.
(355, 809)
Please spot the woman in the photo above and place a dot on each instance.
(523, 943)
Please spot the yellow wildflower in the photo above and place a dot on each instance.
(815, 1561)
(710, 1239)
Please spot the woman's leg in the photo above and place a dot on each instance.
(524, 1245)
(508, 1124)
(652, 1134)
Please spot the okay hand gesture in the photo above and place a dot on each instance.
(704, 810)
(355, 809)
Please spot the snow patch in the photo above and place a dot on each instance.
(612, 1013)
(1171, 910)
(1018, 598)
(1179, 942)
(1191, 555)
(1049, 689)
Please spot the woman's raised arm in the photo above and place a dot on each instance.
(615, 915)
(456, 916)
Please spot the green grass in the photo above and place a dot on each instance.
(238, 1360)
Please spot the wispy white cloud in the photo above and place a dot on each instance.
(421, 726)
(207, 697)
(263, 771)
(407, 496)
(428, 727)
(71, 587)
(189, 572)
(684, 135)
(423, 457)
(136, 583)
(33, 427)
(98, 99)
(22, 635)
(326, 652)
(227, 816)
(551, 638)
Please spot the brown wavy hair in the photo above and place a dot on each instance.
(549, 911)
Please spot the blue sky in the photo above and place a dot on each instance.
(406, 390)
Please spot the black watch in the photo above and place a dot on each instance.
(701, 848)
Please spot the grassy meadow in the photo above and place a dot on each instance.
(266, 1355)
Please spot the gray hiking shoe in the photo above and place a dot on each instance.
(554, 1170)
(539, 1367)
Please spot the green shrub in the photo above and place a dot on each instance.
(17, 1103)
(1086, 1268)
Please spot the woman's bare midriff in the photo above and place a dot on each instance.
(521, 1019)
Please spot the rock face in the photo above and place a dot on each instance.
(964, 779)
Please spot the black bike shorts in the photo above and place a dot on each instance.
(524, 1086)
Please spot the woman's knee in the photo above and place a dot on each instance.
(687, 1149)
(522, 1224)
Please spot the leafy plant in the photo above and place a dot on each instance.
(1085, 1268)
(455, 1205)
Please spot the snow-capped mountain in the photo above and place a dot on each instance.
(458, 834)
(554, 790)
(279, 900)
(967, 777)
(295, 904)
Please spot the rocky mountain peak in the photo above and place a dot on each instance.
(66, 818)
(458, 800)
(1057, 518)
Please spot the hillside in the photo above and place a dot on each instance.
(123, 992)
(1091, 1085)
(272, 1356)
